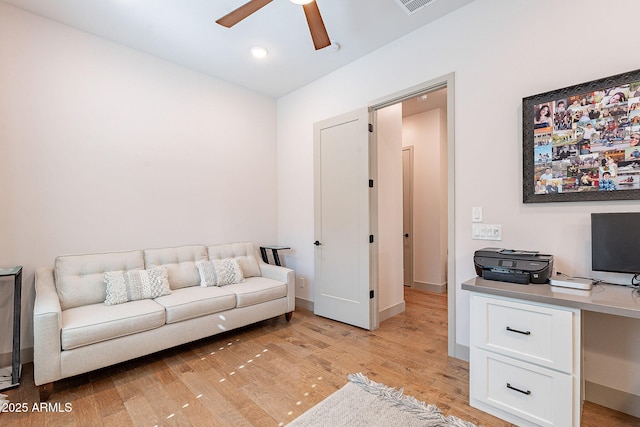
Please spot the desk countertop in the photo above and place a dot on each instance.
(603, 298)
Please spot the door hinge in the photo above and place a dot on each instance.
(371, 294)
(370, 127)
(371, 238)
(370, 183)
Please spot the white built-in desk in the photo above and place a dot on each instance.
(526, 347)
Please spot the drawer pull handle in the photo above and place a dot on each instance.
(518, 332)
(528, 392)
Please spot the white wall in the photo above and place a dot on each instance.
(500, 51)
(104, 148)
(427, 132)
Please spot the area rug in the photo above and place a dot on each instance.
(5, 382)
(362, 402)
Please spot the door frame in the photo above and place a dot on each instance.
(448, 81)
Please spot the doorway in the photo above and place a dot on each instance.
(411, 146)
(433, 266)
(424, 134)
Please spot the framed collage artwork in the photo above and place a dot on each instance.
(583, 142)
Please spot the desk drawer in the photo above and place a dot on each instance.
(534, 333)
(541, 396)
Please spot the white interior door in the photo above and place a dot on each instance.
(343, 278)
(407, 214)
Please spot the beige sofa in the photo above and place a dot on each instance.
(76, 332)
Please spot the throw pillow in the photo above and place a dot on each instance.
(123, 286)
(219, 272)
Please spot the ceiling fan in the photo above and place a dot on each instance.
(314, 19)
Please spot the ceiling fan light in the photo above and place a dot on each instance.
(301, 1)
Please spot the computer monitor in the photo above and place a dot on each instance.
(615, 242)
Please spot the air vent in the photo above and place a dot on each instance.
(412, 6)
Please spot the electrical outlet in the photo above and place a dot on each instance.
(495, 232)
(301, 282)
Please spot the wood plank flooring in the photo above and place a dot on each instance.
(269, 373)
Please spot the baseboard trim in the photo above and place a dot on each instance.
(431, 287)
(612, 398)
(388, 313)
(26, 356)
(304, 304)
(462, 352)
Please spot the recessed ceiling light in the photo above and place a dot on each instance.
(259, 52)
(301, 1)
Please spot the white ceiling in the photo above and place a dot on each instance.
(185, 32)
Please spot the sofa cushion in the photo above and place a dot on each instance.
(123, 286)
(191, 302)
(90, 324)
(219, 272)
(80, 278)
(180, 263)
(255, 290)
(244, 253)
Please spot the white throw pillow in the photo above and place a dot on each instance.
(219, 272)
(123, 286)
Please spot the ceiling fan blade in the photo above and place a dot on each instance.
(316, 25)
(242, 12)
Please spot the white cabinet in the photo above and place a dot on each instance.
(525, 361)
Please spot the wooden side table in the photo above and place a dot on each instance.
(274, 250)
(16, 272)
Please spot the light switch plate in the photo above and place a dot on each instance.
(476, 214)
(486, 232)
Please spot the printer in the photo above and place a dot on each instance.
(515, 266)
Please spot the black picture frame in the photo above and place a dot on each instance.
(585, 131)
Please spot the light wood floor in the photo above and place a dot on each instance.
(268, 374)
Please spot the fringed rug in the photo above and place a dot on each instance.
(363, 402)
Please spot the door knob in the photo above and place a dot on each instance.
(406, 234)
(317, 243)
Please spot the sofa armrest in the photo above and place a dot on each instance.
(282, 274)
(47, 325)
